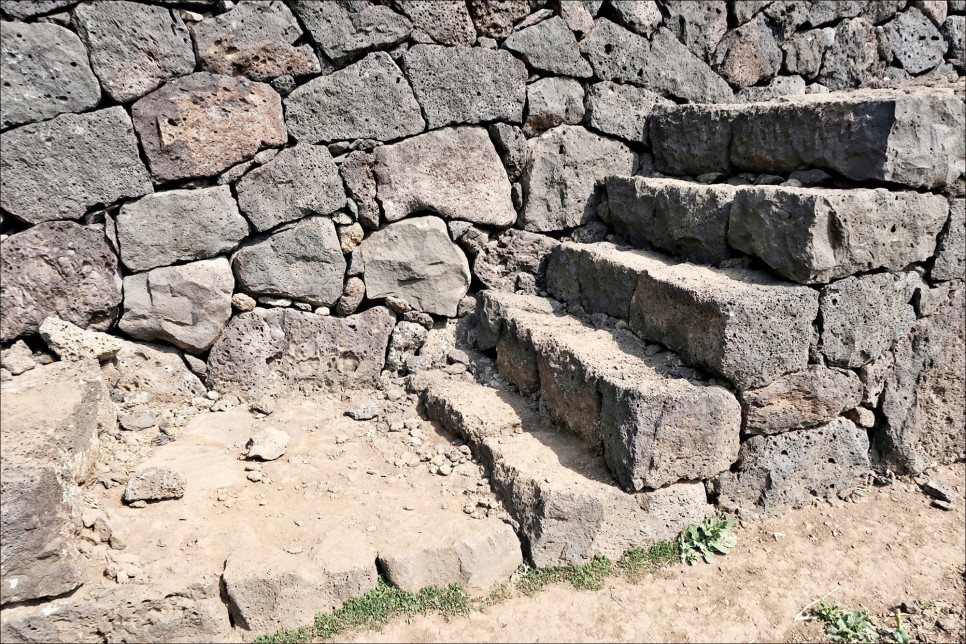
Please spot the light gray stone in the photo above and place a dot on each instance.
(699, 25)
(60, 168)
(18, 358)
(267, 444)
(346, 28)
(302, 262)
(785, 471)
(356, 171)
(749, 54)
(186, 305)
(778, 87)
(256, 39)
(950, 263)
(745, 10)
(799, 400)
(804, 51)
(471, 186)
(279, 351)
(199, 125)
(563, 169)
(72, 343)
(864, 316)
(352, 295)
(243, 302)
(22, 10)
(366, 100)
(414, 259)
(179, 225)
(512, 147)
(954, 30)
(45, 73)
(155, 484)
(915, 41)
(621, 110)
(300, 181)
(456, 85)
(816, 235)
(550, 46)
(515, 253)
(448, 23)
(57, 269)
(495, 18)
(134, 47)
(151, 373)
(640, 16)
(137, 418)
(552, 102)
(851, 57)
(686, 219)
(406, 339)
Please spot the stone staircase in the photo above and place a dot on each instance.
(716, 345)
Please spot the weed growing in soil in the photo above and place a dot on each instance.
(857, 626)
(712, 536)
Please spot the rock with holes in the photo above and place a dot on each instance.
(301, 262)
(550, 46)
(45, 73)
(134, 47)
(186, 305)
(199, 125)
(414, 259)
(57, 269)
(154, 373)
(950, 261)
(552, 102)
(699, 25)
(72, 343)
(495, 18)
(640, 16)
(407, 338)
(621, 110)
(799, 400)
(21, 10)
(179, 225)
(346, 28)
(804, 52)
(268, 352)
(155, 484)
(749, 54)
(360, 181)
(299, 181)
(369, 99)
(915, 41)
(255, 39)
(60, 168)
(852, 56)
(448, 23)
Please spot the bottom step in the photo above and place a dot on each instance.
(560, 493)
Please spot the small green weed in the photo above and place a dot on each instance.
(857, 626)
(712, 536)
(637, 561)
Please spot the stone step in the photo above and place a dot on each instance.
(561, 495)
(740, 324)
(807, 235)
(911, 137)
(657, 421)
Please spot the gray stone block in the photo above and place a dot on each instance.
(550, 46)
(950, 263)
(344, 28)
(448, 23)
(915, 41)
(553, 101)
(621, 110)
(852, 56)
(749, 54)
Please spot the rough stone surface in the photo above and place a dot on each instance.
(299, 181)
(71, 343)
(550, 46)
(865, 315)
(472, 185)
(813, 396)
(52, 417)
(134, 47)
(356, 171)
(448, 23)
(814, 235)
(367, 100)
(699, 25)
(199, 125)
(268, 352)
(749, 54)
(504, 262)
(57, 269)
(786, 471)
(685, 219)
(255, 39)
(950, 261)
(552, 102)
(804, 52)
(407, 338)
(414, 259)
(511, 144)
(640, 16)
(60, 168)
(366, 409)
(495, 18)
(915, 41)
(18, 358)
(346, 28)
(151, 373)
(778, 87)
(155, 484)
(179, 225)
(563, 169)
(267, 444)
(621, 110)
(921, 390)
(851, 57)
(954, 30)
(477, 556)
(22, 10)
(456, 85)
(186, 305)
(45, 73)
(303, 262)
(663, 65)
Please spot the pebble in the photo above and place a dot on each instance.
(364, 410)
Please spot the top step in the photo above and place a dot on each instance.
(915, 138)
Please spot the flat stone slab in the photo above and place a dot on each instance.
(199, 125)
(346, 29)
(60, 168)
(566, 503)
(270, 351)
(915, 137)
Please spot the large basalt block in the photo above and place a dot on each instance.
(814, 236)
(621, 110)
(60, 168)
(813, 396)
(950, 263)
(471, 186)
(199, 125)
(550, 46)
(344, 28)
(57, 269)
(268, 352)
(787, 471)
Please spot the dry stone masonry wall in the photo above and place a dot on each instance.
(720, 242)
